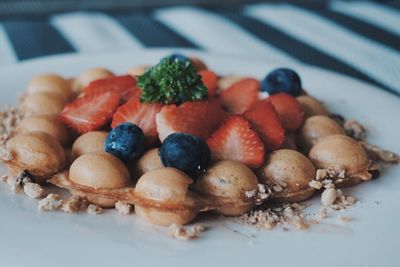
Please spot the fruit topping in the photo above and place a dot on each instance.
(122, 85)
(240, 96)
(265, 121)
(236, 140)
(141, 114)
(289, 111)
(185, 152)
(90, 112)
(126, 141)
(199, 118)
(282, 80)
(210, 80)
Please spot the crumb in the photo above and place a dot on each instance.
(33, 190)
(315, 184)
(5, 153)
(123, 208)
(323, 213)
(10, 117)
(377, 202)
(94, 209)
(345, 218)
(321, 174)
(186, 232)
(355, 129)
(379, 154)
(328, 197)
(3, 178)
(260, 194)
(73, 204)
(50, 203)
(15, 184)
(285, 215)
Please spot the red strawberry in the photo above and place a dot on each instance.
(90, 112)
(143, 115)
(240, 96)
(236, 140)
(209, 79)
(266, 122)
(199, 118)
(119, 84)
(289, 111)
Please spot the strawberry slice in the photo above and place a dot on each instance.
(199, 118)
(266, 122)
(236, 140)
(240, 96)
(289, 111)
(90, 112)
(141, 114)
(123, 85)
(210, 80)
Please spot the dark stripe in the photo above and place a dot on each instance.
(298, 49)
(35, 38)
(361, 27)
(152, 32)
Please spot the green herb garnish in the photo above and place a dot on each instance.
(171, 82)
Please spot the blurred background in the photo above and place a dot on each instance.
(356, 38)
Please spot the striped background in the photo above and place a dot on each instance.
(357, 38)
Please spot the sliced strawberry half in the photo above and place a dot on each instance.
(289, 111)
(199, 118)
(236, 140)
(265, 121)
(210, 80)
(240, 96)
(90, 112)
(123, 85)
(141, 114)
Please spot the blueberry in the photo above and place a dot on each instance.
(282, 81)
(179, 57)
(186, 152)
(126, 141)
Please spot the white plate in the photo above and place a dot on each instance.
(32, 238)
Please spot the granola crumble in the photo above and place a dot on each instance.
(355, 129)
(123, 208)
(315, 184)
(3, 178)
(186, 232)
(5, 154)
(260, 194)
(10, 117)
(50, 203)
(94, 209)
(328, 197)
(74, 204)
(34, 190)
(15, 184)
(379, 154)
(285, 215)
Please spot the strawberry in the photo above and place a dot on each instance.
(199, 118)
(122, 85)
(90, 112)
(266, 122)
(236, 140)
(141, 114)
(289, 111)
(240, 96)
(209, 79)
